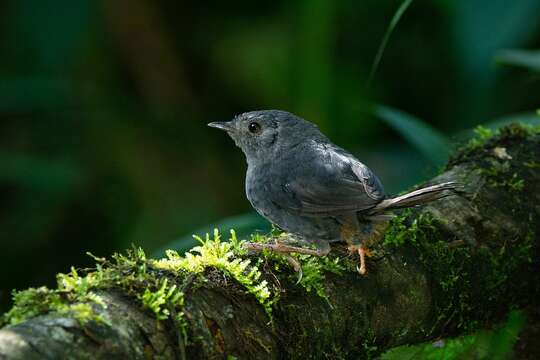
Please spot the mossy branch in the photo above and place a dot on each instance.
(447, 268)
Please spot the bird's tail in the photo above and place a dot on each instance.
(416, 197)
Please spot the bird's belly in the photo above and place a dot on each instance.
(309, 228)
(258, 190)
(312, 228)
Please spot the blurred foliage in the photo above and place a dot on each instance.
(496, 344)
(104, 105)
(526, 59)
(418, 133)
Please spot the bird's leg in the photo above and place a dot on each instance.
(354, 233)
(362, 268)
(296, 266)
(285, 249)
(287, 243)
(362, 252)
(323, 248)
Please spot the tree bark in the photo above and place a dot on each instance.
(446, 268)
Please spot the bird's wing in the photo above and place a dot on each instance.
(331, 182)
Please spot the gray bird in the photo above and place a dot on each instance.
(314, 190)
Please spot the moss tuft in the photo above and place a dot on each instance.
(518, 130)
(401, 231)
(155, 283)
(30, 303)
(457, 294)
(157, 301)
(480, 138)
(143, 279)
(483, 137)
(228, 257)
(499, 174)
(314, 269)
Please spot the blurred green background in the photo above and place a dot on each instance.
(104, 106)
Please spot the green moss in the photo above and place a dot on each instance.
(71, 297)
(457, 292)
(156, 301)
(480, 138)
(532, 164)
(483, 137)
(515, 183)
(511, 182)
(499, 174)
(369, 347)
(31, 302)
(488, 148)
(443, 262)
(401, 231)
(153, 282)
(506, 261)
(314, 268)
(228, 257)
(517, 131)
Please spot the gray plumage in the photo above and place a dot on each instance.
(300, 181)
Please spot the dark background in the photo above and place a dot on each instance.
(104, 106)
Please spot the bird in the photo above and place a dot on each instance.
(312, 189)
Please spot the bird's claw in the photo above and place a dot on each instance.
(300, 274)
(362, 252)
(296, 266)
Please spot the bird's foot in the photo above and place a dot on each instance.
(362, 252)
(296, 266)
(285, 250)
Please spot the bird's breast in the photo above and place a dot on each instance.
(258, 191)
(261, 182)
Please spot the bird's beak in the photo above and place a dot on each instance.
(223, 125)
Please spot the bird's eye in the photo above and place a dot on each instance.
(254, 127)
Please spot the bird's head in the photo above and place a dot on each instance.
(264, 133)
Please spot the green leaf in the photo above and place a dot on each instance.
(529, 59)
(418, 133)
(393, 23)
(484, 344)
(479, 30)
(403, 353)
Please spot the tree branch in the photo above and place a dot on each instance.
(446, 268)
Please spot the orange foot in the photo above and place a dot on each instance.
(362, 252)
